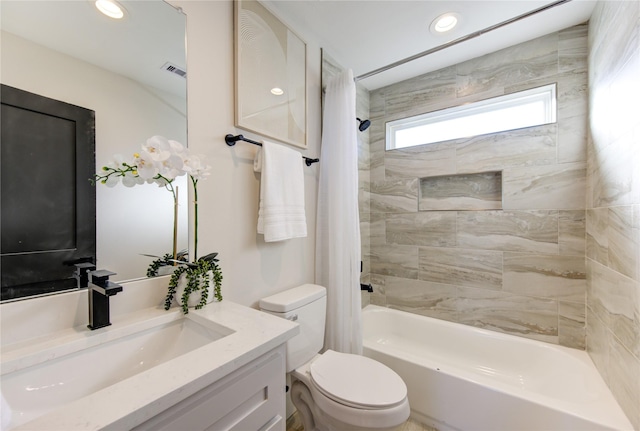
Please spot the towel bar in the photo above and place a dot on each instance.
(231, 141)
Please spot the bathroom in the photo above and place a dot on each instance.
(598, 307)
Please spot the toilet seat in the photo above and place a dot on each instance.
(357, 381)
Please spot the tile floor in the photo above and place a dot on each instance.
(294, 424)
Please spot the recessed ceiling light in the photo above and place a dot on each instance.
(444, 22)
(110, 8)
(276, 91)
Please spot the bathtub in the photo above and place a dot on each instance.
(469, 379)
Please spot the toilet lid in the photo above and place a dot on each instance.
(357, 381)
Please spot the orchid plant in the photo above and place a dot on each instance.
(160, 161)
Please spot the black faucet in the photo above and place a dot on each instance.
(100, 289)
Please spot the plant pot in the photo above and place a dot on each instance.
(165, 270)
(194, 297)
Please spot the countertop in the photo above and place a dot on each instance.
(132, 401)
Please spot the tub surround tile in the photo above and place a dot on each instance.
(453, 268)
(571, 232)
(525, 316)
(546, 276)
(394, 195)
(523, 231)
(572, 321)
(573, 48)
(415, 162)
(572, 139)
(622, 241)
(572, 94)
(496, 151)
(545, 187)
(597, 237)
(471, 268)
(598, 343)
(377, 229)
(422, 94)
(482, 191)
(526, 61)
(636, 234)
(613, 297)
(395, 260)
(624, 378)
(379, 294)
(615, 175)
(424, 228)
(613, 313)
(422, 297)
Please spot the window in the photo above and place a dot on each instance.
(528, 108)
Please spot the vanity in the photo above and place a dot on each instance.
(222, 367)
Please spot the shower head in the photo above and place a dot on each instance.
(364, 124)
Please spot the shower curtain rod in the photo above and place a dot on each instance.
(231, 141)
(460, 40)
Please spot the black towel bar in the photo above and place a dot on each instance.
(231, 141)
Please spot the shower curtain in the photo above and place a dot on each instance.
(338, 222)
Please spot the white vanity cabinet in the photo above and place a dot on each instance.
(250, 398)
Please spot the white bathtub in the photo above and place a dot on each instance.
(469, 379)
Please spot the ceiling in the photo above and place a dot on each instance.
(365, 35)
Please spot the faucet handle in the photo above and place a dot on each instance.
(82, 273)
(100, 277)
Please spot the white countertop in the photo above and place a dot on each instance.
(138, 398)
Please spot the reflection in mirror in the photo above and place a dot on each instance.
(131, 73)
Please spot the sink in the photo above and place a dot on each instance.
(41, 388)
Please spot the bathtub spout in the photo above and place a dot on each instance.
(367, 287)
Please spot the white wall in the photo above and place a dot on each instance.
(228, 199)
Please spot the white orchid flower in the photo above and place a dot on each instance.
(171, 167)
(158, 148)
(196, 168)
(147, 169)
(176, 147)
(131, 179)
(112, 181)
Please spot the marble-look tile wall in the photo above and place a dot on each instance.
(517, 265)
(613, 200)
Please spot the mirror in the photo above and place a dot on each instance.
(132, 73)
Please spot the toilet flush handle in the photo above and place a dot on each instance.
(293, 317)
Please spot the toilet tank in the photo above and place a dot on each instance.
(307, 306)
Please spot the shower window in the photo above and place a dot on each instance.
(528, 108)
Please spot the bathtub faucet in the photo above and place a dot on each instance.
(367, 287)
(100, 289)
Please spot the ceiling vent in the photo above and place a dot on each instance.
(172, 68)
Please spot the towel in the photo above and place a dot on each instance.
(281, 215)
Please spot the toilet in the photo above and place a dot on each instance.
(334, 391)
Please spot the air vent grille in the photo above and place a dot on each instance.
(172, 68)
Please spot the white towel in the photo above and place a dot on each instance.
(281, 215)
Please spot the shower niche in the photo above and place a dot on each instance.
(461, 192)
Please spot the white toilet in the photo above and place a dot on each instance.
(334, 391)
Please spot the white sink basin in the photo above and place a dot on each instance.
(38, 389)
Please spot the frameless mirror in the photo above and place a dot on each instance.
(132, 73)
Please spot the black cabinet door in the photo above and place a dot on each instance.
(47, 202)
